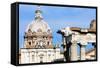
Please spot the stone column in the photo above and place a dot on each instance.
(82, 45)
(74, 56)
(82, 54)
(64, 47)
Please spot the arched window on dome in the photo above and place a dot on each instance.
(39, 30)
(29, 30)
(48, 30)
(48, 43)
(29, 42)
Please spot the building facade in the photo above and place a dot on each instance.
(38, 46)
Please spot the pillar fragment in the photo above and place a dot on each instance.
(74, 56)
(82, 52)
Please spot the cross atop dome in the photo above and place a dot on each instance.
(38, 7)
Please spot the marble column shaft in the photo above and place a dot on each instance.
(74, 56)
(82, 52)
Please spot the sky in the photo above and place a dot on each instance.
(57, 18)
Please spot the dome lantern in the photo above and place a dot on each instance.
(38, 14)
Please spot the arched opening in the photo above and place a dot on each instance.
(41, 58)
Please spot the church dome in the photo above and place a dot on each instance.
(38, 24)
